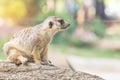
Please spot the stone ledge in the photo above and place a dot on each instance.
(9, 71)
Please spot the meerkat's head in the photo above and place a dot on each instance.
(56, 23)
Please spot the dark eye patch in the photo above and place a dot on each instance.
(61, 21)
(50, 24)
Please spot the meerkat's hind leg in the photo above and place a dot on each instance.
(15, 57)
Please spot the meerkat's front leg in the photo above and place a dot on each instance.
(44, 57)
(36, 54)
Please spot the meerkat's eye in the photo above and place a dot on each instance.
(61, 21)
(50, 24)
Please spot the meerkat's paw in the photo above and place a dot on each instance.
(23, 60)
(50, 64)
(50, 61)
(46, 63)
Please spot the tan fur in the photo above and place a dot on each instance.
(31, 44)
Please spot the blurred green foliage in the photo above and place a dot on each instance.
(97, 26)
(2, 55)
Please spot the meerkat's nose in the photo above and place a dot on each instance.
(68, 25)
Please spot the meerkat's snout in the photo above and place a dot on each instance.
(64, 24)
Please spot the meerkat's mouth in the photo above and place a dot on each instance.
(65, 26)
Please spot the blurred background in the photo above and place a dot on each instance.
(91, 44)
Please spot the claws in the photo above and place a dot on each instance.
(50, 61)
(45, 63)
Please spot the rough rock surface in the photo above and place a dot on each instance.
(32, 71)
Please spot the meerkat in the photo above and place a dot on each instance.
(31, 44)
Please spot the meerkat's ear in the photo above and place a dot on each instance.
(50, 24)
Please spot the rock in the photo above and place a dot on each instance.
(32, 71)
